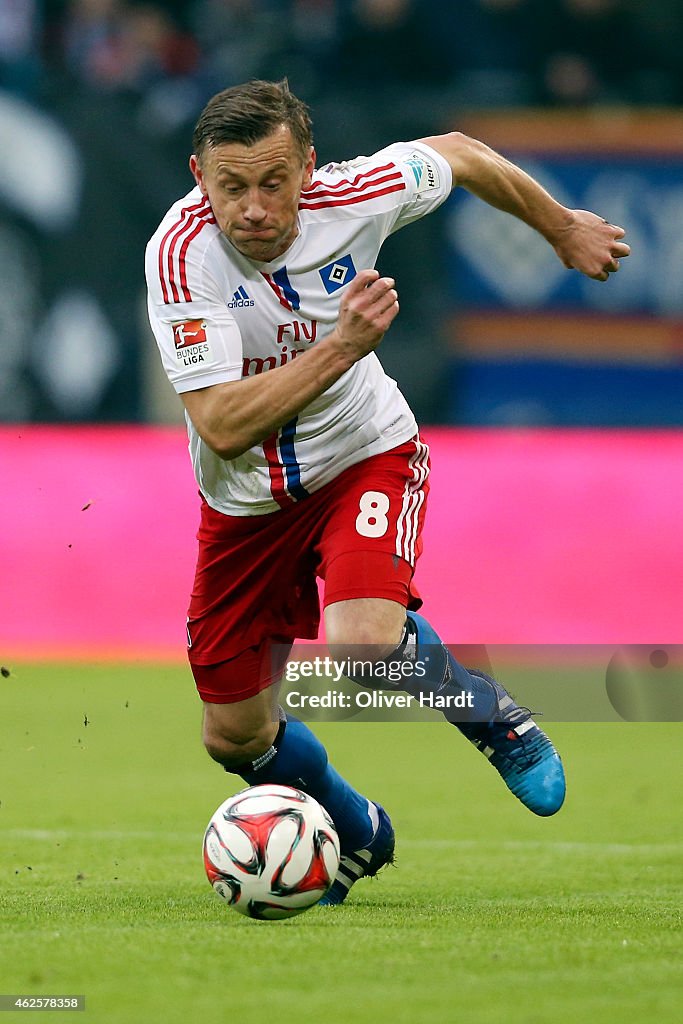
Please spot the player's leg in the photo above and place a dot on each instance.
(502, 730)
(254, 739)
(254, 579)
(374, 547)
(235, 734)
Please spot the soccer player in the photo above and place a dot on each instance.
(267, 311)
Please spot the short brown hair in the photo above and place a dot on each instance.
(247, 113)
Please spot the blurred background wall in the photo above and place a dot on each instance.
(97, 103)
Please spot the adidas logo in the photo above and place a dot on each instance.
(240, 299)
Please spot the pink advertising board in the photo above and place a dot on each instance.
(532, 537)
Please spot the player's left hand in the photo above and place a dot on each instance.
(591, 244)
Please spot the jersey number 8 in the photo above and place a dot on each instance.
(372, 520)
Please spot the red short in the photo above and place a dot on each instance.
(256, 575)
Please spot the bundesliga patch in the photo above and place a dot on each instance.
(188, 333)
(335, 275)
(425, 173)
(191, 346)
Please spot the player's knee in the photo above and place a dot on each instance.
(371, 640)
(234, 746)
(372, 626)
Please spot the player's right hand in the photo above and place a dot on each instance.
(366, 312)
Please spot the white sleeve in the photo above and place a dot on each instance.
(393, 187)
(199, 340)
(428, 179)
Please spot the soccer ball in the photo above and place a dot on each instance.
(271, 852)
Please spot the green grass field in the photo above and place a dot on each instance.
(492, 916)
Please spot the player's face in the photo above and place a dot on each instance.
(254, 191)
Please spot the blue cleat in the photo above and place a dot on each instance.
(521, 753)
(362, 863)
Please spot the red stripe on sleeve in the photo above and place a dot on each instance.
(177, 229)
(183, 250)
(359, 190)
(400, 187)
(184, 230)
(349, 182)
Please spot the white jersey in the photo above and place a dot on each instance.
(218, 316)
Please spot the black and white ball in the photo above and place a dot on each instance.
(271, 852)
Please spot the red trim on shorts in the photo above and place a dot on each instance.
(243, 676)
(374, 574)
(409, 522)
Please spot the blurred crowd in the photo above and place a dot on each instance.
(169, 56)
(97, 103)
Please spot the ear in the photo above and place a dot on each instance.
(197, 173)
(309, 167)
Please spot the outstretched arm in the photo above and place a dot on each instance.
(582, 240)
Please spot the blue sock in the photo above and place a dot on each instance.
(298, 758)
(445, 676)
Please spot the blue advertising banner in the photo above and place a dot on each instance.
(497, 261)
(521, 318)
